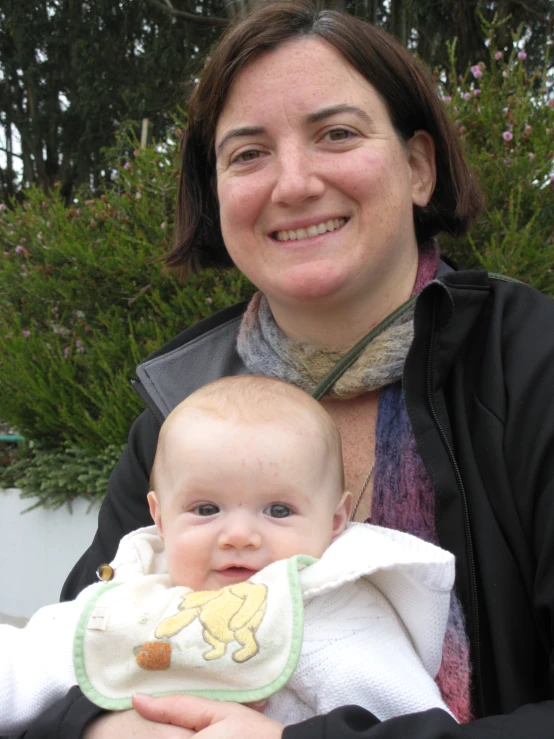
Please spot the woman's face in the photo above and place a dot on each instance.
(316, 189)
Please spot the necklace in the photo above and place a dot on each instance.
(362, 491)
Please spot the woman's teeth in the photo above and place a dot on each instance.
(304, 233)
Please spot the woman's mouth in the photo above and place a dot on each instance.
(310, 231)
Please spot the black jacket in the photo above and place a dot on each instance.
(479, 390)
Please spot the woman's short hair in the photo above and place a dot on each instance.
(405, 87)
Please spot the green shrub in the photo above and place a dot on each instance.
(53, 478)
(505, 117)
(83, 300)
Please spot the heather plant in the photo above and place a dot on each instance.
(503, 110)
(84, 297)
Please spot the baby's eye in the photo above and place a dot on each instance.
(277, 510)
(206, 509)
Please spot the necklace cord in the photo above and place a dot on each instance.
(344, 364)
(346, 361)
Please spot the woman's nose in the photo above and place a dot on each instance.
(239, 532)
(296, 178)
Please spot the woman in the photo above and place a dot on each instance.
(319, 160)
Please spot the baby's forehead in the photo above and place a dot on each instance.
(191, 420)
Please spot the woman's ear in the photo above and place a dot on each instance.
(155, 511)
(342, 514)
(421, 157)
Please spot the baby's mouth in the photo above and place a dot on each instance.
(236, 571)
(306, 233)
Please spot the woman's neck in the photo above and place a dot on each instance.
(340, 323)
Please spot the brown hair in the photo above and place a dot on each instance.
(402, 83)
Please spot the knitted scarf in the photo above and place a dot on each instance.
(403, 496)
(266, 350)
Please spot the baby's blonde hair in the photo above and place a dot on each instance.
(261, 400)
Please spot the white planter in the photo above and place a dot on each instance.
(37, 551)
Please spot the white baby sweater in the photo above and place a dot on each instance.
(374, 613)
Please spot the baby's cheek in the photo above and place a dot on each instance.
(178, 561)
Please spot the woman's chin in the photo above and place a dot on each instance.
(308, 286)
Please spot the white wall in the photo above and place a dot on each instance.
(37, 551)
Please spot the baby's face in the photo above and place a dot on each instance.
(233, 497)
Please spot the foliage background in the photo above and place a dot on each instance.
(84, 297)
(72, 70)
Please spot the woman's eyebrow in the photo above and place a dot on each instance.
(237, 133)
(332, 110)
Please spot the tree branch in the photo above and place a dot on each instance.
(203, 19)
(531, 10)
(6, 151)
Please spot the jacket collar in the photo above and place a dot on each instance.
(207, 351)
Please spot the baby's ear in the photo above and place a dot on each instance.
(342, 514)
(155, 511)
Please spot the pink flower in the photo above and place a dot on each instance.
(528, 128)
(26, 334)
(79, 346)
(507, 160)
(209, 300)
(136, 152)
(476, 71)
(2, 206)
(498, 55)
(507, 135)
(23, 240)
(479, 109)
(521, 55)
(447, 99)
(477, 91)
(19, 249)
(66, 352)
(163, 225)
(505, 73)
(466, 95)
(531, 156)
(48, 224)
(127, 165)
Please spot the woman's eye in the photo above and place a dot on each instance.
(339, 134)
(206, 509)
(246, 156)
(278, 510)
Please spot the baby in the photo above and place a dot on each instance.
(252, 586)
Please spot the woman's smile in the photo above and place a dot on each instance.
(301, 233)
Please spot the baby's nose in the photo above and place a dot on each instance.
(240, 532)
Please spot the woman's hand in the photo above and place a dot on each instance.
(130, 725)
(211, 719)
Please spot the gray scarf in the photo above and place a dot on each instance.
(266, 350)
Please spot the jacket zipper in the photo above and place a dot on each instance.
(138, 387)
(471, 558)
